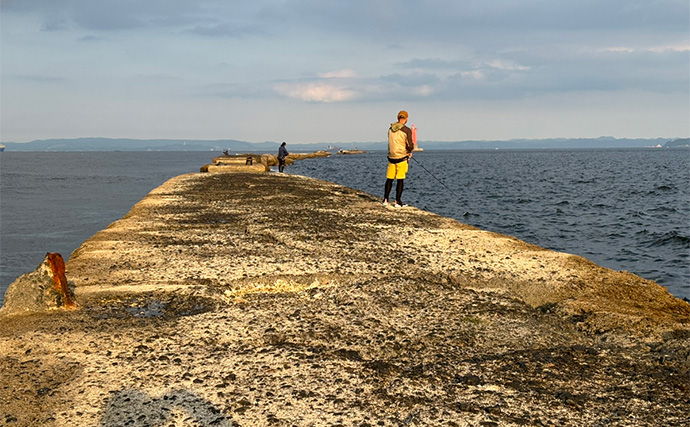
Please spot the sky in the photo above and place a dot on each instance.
(315, 71)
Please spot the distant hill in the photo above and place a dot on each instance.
(680, 142)
(123, 144)
(555, 143)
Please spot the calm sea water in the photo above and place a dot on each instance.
(623, 209)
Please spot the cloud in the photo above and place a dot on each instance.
(436, 63)
(315, 92)
(515, 75)
(55, 22)
(36, 78)
(412, 79)
(521, 74)
(684, 47)
(225, 29)
(355, 55)
(329, 87)
(339, 74)
(501, 64)
(110, 15)
(398, 23)
(91, 38)
(348, 86)
(235, 91)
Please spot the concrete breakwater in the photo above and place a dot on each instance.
(255, 162)
(269, 299)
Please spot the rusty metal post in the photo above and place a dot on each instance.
(57, 265)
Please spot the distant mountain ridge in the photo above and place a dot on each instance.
(127, 144)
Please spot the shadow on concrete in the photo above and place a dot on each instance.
(131, 407)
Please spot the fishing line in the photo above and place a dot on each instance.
(434, 176)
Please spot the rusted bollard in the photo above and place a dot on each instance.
(57, 264)
(45, 288)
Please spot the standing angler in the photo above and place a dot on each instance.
(282, 154)
(400, 148)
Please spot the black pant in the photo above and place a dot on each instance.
(398, 189)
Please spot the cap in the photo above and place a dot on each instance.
(402, 114)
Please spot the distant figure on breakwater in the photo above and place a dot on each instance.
(400, 147)
(282, 154)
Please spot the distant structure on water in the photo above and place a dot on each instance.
(680, 142)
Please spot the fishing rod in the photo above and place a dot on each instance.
(434, 176)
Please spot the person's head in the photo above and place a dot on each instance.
(402, 116)
(282, 145)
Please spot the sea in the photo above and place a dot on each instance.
(624, 209)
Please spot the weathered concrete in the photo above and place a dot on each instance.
(235, 168)
(259, 162)
(269, 299)
(45, 288)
